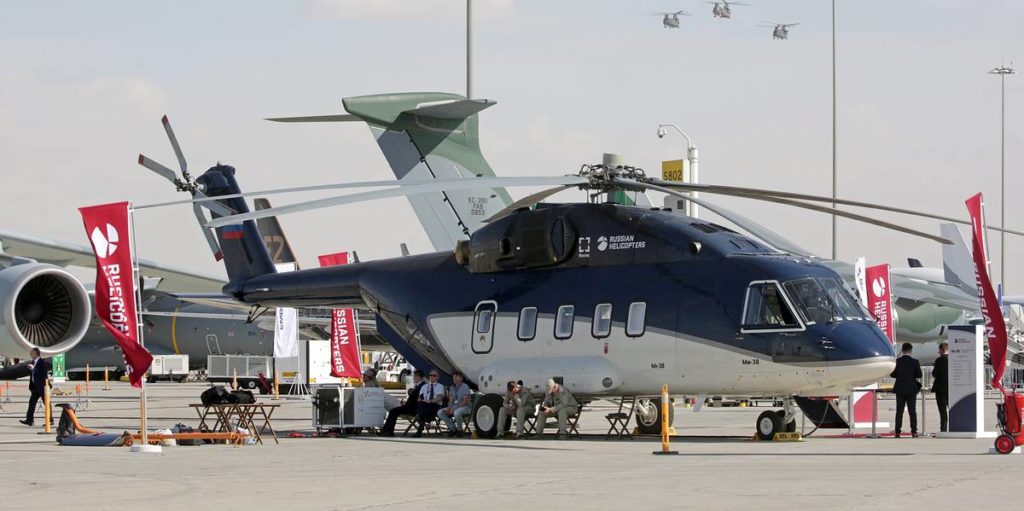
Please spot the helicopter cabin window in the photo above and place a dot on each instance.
(767, 309)
(563, 321)
(602, 320)
(485, 318)
(636, 320)
(527, 323)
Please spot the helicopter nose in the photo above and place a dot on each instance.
(859, 353)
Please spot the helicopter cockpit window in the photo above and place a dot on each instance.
(767, 309)
(810, 300)
(846, 304)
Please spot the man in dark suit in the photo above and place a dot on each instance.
(940, 385)
(907, 374)
(406, 408)
(36, 384)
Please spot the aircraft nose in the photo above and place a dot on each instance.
(859, 354)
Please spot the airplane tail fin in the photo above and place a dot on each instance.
(957, 262)
(424, 136)
(273, 236)
(245, 255)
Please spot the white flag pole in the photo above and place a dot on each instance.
(140, 333)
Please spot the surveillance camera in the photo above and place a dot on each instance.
(662, 132)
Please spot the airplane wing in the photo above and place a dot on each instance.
(70, 254)
(917, 290)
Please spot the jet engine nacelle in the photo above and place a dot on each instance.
(41, 306)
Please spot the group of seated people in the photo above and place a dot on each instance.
(430, 399)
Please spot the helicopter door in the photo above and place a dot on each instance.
(483, 326)
(212, 344)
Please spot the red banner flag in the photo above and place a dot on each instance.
(109, 233)
(995, 327)
(345, 345)
(880, 297)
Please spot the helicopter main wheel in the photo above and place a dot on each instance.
(648, 417)
(485, 415)
(768, 424)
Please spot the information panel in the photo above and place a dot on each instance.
(966, 382)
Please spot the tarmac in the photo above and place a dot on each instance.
(718, 466)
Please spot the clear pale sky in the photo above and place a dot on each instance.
(84, 84)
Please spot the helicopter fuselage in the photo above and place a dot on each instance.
(616, 300)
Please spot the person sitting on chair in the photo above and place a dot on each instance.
(429, 402)
(459, 404)
(406, 408)
(518, 403)
(557, 402)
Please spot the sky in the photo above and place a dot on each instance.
(83, 86)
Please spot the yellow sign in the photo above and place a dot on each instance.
(672, 170)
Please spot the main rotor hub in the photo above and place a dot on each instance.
(601, 177)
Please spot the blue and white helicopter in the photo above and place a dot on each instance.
(613, 300)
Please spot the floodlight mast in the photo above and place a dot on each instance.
(692, 156)
(1002, 71)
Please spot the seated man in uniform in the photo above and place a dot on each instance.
(459, 404)
(406, 408)
(557, 402)
(430, 399)
(519, 404)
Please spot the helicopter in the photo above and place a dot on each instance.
(671, 19)
(612, 300)
(722, 9)
(779, 30)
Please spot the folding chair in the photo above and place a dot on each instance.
(573, 422)
(619, 420)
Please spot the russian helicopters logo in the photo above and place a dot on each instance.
(878, 287)
(602, 243)
(105, 245)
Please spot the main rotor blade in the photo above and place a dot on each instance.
(735, 190)
(803, 205)
(211, 240)
(317, 118)
(435, 186)
(755, 229)
(177, 149)
(157, 167)
(526, 202)
(216, 207)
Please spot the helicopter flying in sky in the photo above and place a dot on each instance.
(671, 19)
(722, 9)
(779, 30)
(614, 300)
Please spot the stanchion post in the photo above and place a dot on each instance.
(87, 380)
(46, 403)
(106, 378)
(234, 379)
(664, 423)
(7, 391)
(874, 413)
(924, 413)
(277, 385)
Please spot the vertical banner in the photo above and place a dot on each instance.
(858, 278)
(286, 325)
(995, 326)
(880, 297)
(345, 346)
(966, 382)
(109, 234)
(58, 369)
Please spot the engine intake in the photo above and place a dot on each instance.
(41, 306)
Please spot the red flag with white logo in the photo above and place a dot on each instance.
(879, 300)
(345, 345)
(109, 233)
(995, 327)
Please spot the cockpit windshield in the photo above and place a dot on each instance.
(823, 300)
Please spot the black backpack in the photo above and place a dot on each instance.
(242, 397)
(216, 395)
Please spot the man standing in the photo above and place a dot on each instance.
(459, 404)
(558, 401)
(429, 402)
(36, 384)
(407, 408)
(940, 385)
(518, 403)
(908, 375)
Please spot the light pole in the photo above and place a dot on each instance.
(691, 156)
(835, 239)
(1002, 71)
(469, 49)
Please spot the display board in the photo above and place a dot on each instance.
(966, 382)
